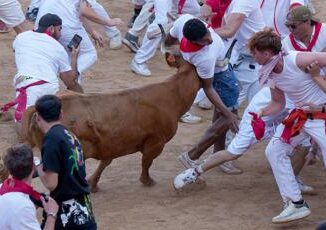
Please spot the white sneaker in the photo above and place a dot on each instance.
(190, 119)
(305, 189)
(292, 212)
(186, 161)
(186, 177)
(205, 104)
(115, 42)
(140, 69)
(229, 168)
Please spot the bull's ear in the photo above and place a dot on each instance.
(170, 59)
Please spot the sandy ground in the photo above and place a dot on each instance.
(246, 201)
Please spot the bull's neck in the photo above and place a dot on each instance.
(187, 84)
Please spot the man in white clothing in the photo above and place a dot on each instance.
(70, 12)
(242, 19)
(40, 58)
(18, 198)
(275, 12)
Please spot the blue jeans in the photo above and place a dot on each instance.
(226, 85)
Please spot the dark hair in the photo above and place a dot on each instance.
(194, 29)
(19, 161)
(48, 20)
(48, 107)
(265, 40)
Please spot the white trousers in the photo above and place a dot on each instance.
(111, 31)
(142, 20)
(278, 155)
(87, 55)
(148, 47)
(245, 138)
(11, 13)
(246, 72)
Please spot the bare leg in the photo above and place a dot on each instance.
(217, 158)
(93, 180)
(211, 135)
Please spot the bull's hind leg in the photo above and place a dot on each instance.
(93, 180)
(151, 150)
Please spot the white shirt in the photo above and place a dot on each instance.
(17, 212)
(252, 23)
(320, 45)
(296, 84)
(204, 59)
(67, 10)
(40, 56)
(275, 11)
(190, 7)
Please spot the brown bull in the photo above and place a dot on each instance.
(111, 125)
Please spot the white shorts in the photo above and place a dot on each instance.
(11, 13)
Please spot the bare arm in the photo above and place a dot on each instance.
(234, 22)
(87, 12)
(169, 40)
(48, 178)
(314, 70)
(212, 95)
(69, 78)
(303, 59)
(276, 104)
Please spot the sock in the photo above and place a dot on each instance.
(300, 202)
(137, 11)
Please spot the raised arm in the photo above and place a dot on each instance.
(234, 22)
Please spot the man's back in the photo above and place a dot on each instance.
(40, 56)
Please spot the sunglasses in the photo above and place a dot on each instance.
(292, 25)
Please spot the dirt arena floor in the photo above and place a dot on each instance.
(246, 201)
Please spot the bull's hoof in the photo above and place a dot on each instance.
(148, 182)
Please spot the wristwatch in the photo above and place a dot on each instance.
(37, 161)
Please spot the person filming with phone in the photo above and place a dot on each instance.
(40, 60)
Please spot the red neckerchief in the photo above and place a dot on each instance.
(14, 185)
(188, 47)
(312, 42)
(296, 120)
(218, 7)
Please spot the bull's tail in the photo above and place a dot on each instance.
(26, 125)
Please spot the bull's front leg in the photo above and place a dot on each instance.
(93, 180)
(150, 152)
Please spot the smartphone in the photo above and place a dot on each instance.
(75, 41)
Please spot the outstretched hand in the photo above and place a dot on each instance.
(98, 39)
(233, 122)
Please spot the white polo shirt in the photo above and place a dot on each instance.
(40, 56)
(204, 59)
(17, 211)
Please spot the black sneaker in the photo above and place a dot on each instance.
(31, 15)
(131, 42)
